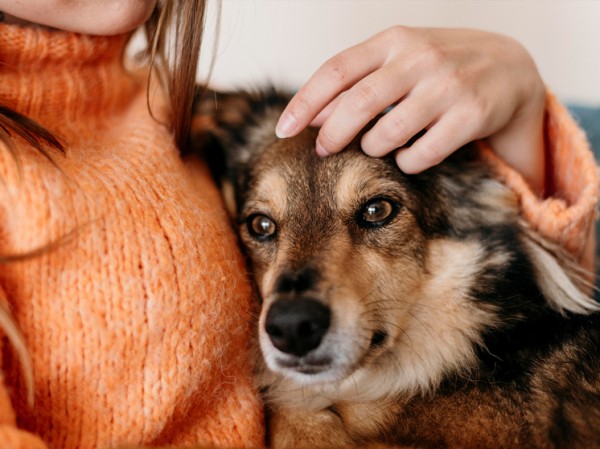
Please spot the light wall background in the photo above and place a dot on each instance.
(285, 41)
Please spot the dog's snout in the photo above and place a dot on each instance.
(297, 326)
(296, 281)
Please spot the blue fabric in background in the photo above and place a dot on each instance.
(589, 120)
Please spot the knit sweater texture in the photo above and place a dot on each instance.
(567, 213)
(138, 326)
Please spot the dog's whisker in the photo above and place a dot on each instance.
(376, 312)
(391, 300)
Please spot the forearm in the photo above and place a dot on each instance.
(522, 144)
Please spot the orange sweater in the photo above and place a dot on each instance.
(568, 215)
(138, 328)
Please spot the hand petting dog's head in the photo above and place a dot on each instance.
(361, 269)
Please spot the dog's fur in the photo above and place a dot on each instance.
(452, 324)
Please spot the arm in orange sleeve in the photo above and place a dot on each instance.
(11, 437)
(567, 214)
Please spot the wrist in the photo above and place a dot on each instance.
(522, 144)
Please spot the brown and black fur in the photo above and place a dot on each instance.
(466, 329)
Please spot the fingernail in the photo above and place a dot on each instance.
(285, 126)
(321, 151)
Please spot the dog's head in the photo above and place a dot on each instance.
(361, 267)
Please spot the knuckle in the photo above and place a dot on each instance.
(457, 81)
(336, 69)
(393, 129)
(391, 39)
(388, 134)
(476, 116)
(434, 55)
(396, 33)
(364, 97)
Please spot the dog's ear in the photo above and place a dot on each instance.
(217, 118)
(565, 285)
(222, 121)
(228, 128)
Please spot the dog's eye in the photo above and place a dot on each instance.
(377, 212)
(261, 227)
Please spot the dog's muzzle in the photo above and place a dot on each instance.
(297, 326)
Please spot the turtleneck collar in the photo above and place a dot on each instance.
(56, 77)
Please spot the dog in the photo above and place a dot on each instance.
(415, 311)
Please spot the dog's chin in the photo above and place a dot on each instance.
(333, 361)
(304, 373)
(319, 367)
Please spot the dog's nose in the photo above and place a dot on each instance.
(298, 281)
(297, 326)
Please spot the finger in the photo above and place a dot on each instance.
(360, 104)
(442, 139)
(332, 78)
(326, 112)
(394, 129)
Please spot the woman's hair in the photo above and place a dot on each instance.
(173, 35)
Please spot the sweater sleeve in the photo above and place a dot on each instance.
(567, 214)
(11, 437)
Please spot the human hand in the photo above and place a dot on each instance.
(459, 85)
